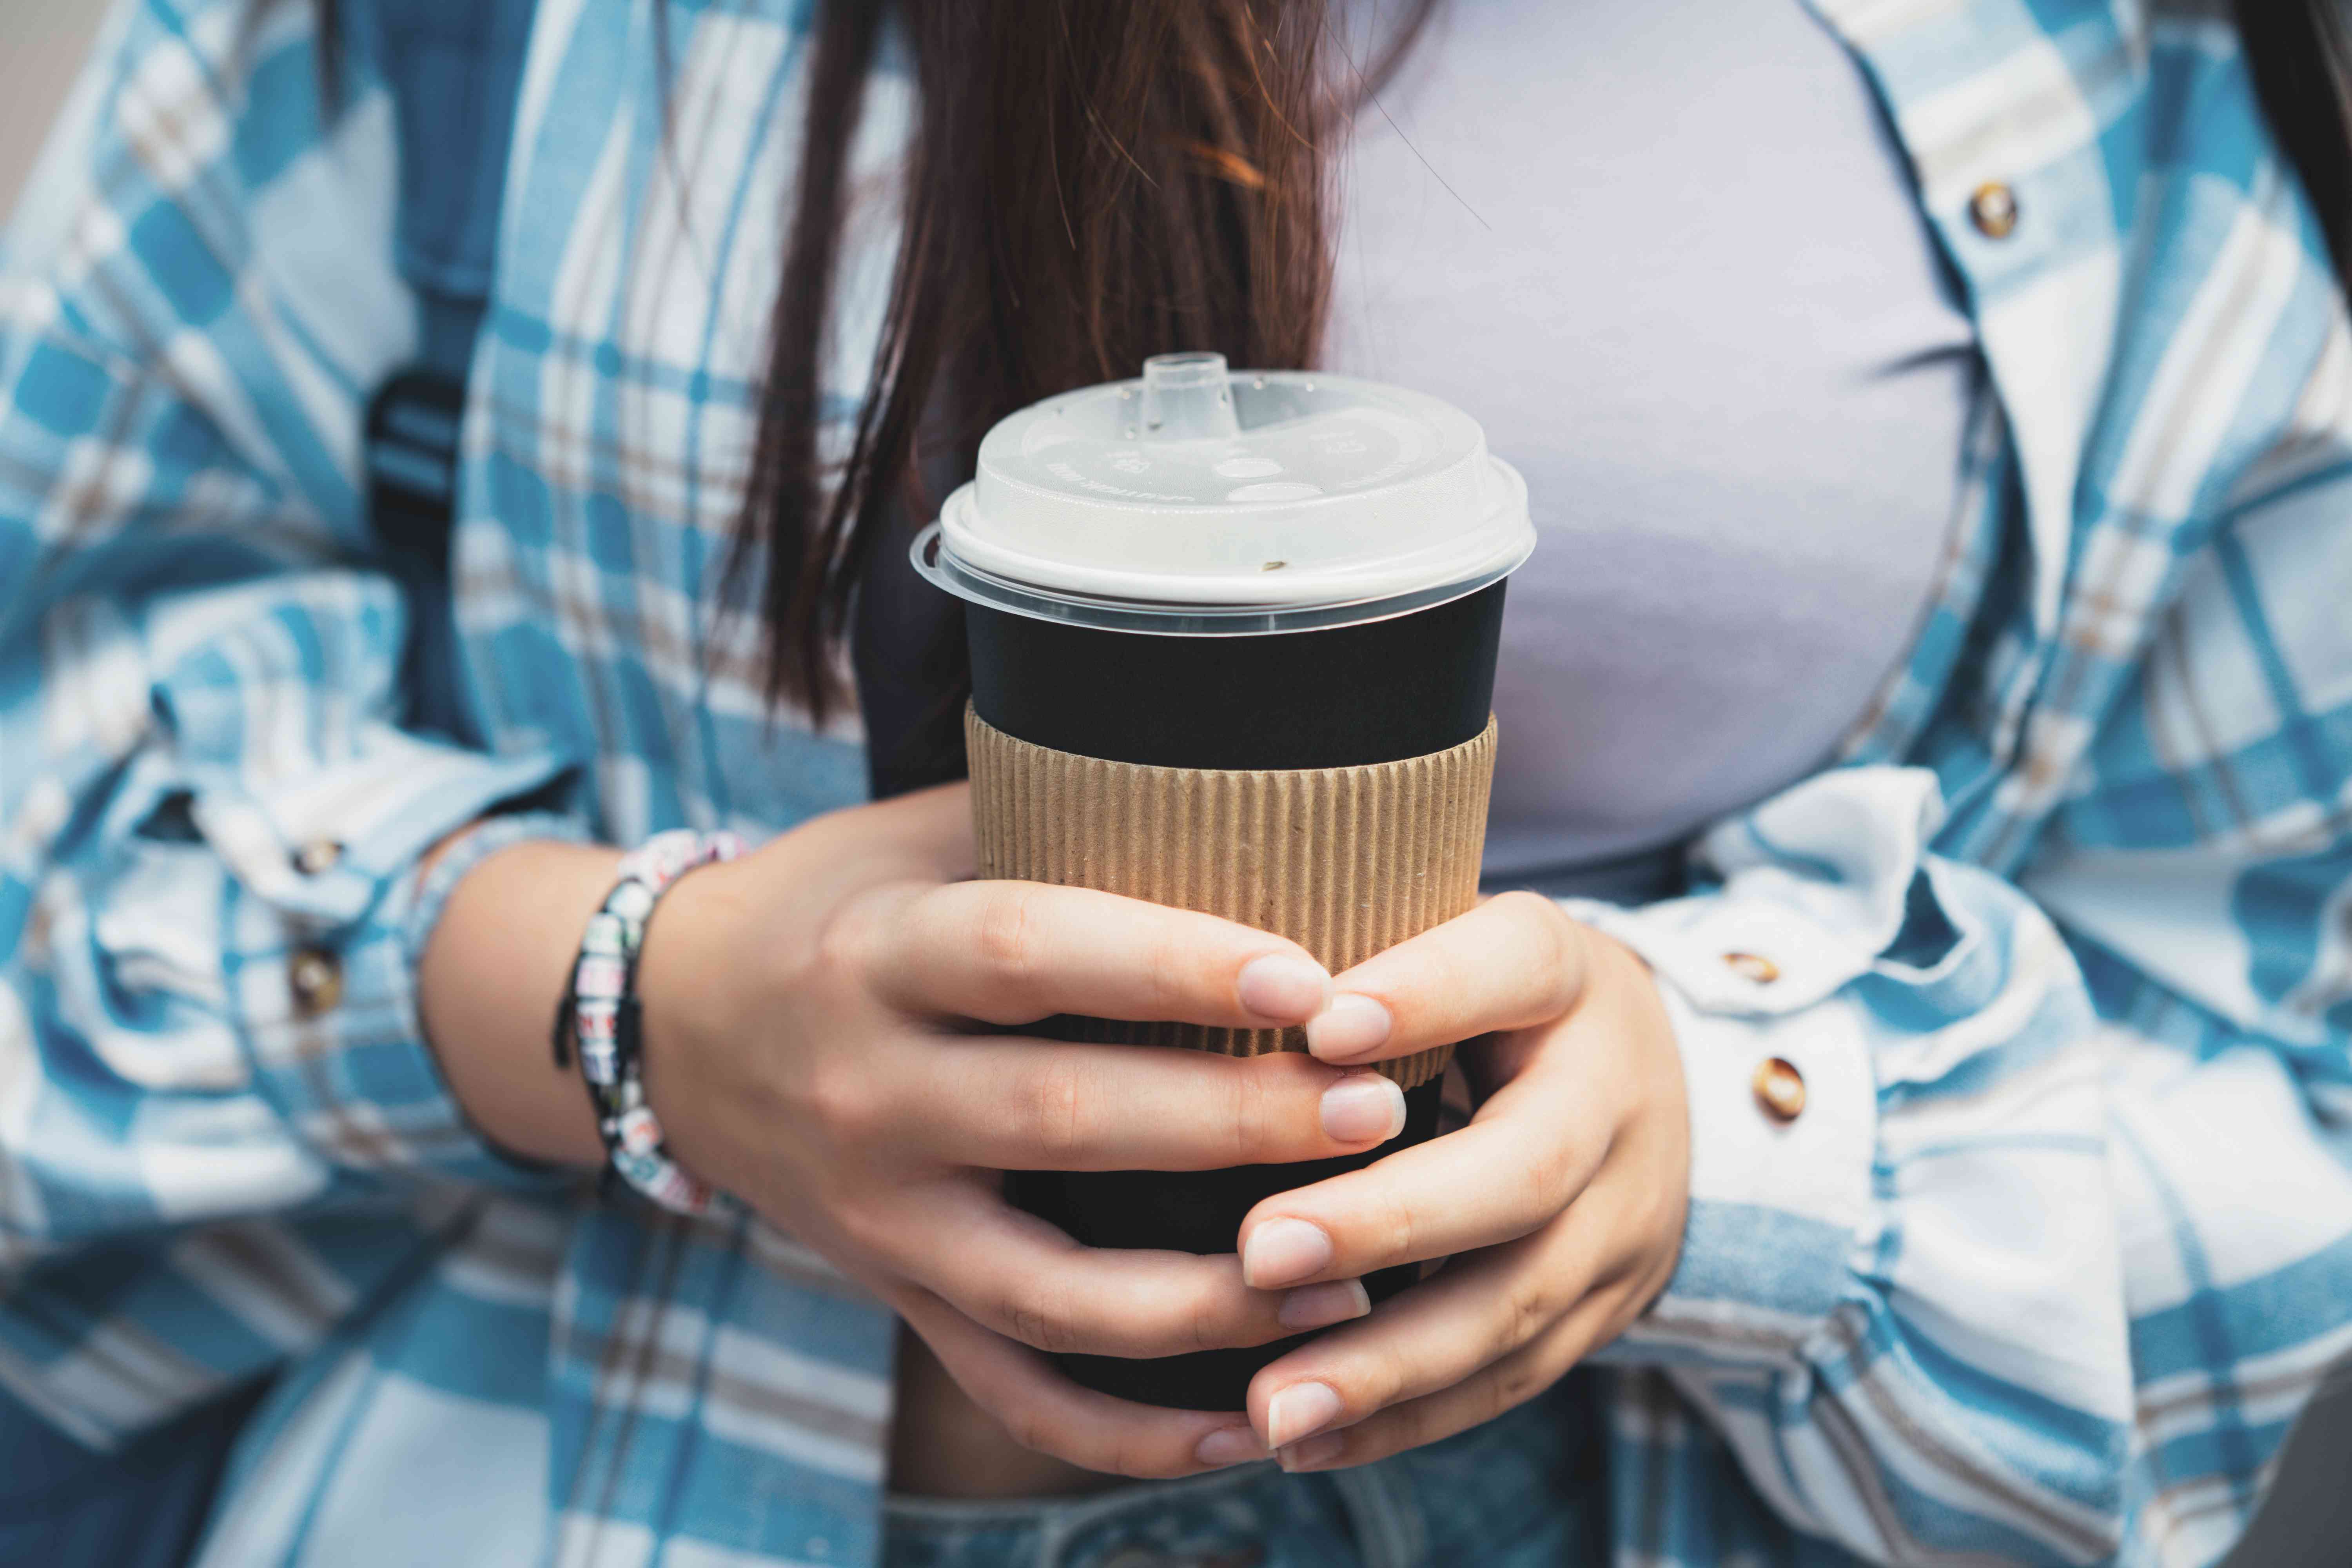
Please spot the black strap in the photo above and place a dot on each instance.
(412, 489)
(455, 70)
(412, 467)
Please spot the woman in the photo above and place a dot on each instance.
(1919, 1073)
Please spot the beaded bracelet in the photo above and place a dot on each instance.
(599, 1014)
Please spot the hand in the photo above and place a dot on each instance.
(1561, 1204)
(810, 1046)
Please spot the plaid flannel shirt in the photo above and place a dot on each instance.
(2059, 1248)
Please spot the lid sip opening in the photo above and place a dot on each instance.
(1186, 397)
(1199, 501)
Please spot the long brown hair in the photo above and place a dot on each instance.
(1094, 181)
(1090, 181)
(2301, 59)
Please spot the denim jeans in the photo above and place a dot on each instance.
(1522, 1491)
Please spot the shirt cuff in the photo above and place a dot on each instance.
(464, 850)
(1783, 1116)
(1757, 978)
(329, 1007)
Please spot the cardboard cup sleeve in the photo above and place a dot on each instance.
(1343, 861)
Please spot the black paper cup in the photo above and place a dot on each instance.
(1374, 692)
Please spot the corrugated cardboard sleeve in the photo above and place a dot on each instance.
(1344, 862)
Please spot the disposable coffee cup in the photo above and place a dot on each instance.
(1232, 642)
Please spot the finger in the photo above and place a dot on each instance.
(1045, 1412)
(1523, 1158)
(1499, 1387)
(1020, 1277)
(1513, 962)
(1012, 953)
(1008, 1103)
(1474, 1312)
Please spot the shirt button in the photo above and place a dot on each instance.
(1752, 967)
(318, 858)
(1780, 1089)
(1993, 209)
(316, 977)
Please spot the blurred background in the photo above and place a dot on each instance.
(2308, 1523)
(42, 43)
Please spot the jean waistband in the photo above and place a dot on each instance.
(1204, 1521)
(1530, 1473)
(1037, 1511)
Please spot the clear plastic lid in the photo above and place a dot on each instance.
(1200, 499)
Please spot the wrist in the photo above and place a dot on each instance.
(601, 1015)
(491, 971)
(684, 990)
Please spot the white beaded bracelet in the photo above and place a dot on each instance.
(600, 1014)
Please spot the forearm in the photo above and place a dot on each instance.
(488, 985)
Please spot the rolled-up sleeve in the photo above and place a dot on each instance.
(211, 817)
(1901, 1294)
(1999, 1242)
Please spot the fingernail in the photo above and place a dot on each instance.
(1229, 1445)
(1320, 1306)
(1314, 1451)
(1352, 1024)
(1283, 1252)
(1299, 1411)
(1281, 987)
(1363, 1105)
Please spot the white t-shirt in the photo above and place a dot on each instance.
(1669, 255)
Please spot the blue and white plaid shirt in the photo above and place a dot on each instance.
(2058, 1248)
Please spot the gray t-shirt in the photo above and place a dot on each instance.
(1669, 255)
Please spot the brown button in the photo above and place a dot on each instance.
(316, 978)
(318, 858)
(1993, 209)
(1780, 1089)
(1753, 966)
